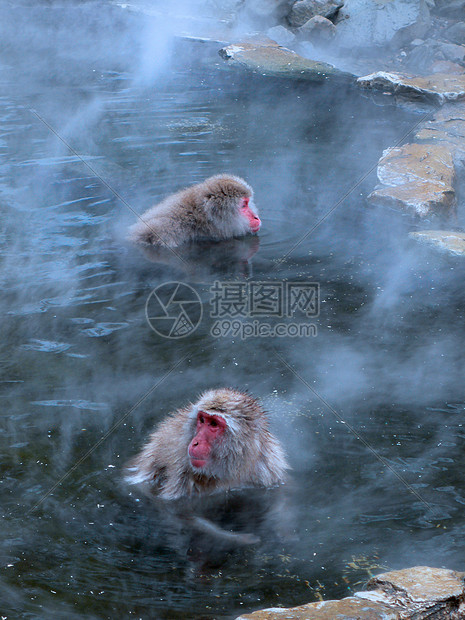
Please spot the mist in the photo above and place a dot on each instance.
(106, 108)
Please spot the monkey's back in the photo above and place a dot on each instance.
(171, 222)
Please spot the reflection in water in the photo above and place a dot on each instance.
(202, 260)
(209, 530)
(84, 377)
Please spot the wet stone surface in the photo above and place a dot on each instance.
(417, 178)
(266, 57)
(418, 593)
(346, 609)
(437, 88)
(446, 127)
(452, 242)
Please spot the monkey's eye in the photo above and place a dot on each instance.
(213, 423)
(201, 419)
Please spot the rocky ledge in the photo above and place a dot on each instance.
(437, 88)
(417, 593)
(267, 57)
(417, 178)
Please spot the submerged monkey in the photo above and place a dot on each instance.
(220, 442)
(221, 207)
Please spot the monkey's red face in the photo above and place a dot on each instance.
(208, 432)
(252, 218)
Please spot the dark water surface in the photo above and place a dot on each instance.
(84, 378)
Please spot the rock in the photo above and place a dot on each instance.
(422, 199)
(447, 241)
(445, 66)
(303, 10)
(447, 128)
(456, 145)
(451, 51)
(437, 88)
(363, 23)
(419, 179)
(421, 58)
(456, 33)
(422, 584)
(281, 35)
(350, 608)
(412, 162)
(450, 112)
(266, 57)
(416, 593)
(451, 8)
(318, 29)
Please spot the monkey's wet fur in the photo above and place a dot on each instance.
(221, 207)
(220, 442)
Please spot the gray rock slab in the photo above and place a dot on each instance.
(450, 8)
(364, 23)
(456, 33)
(451, 51)
(303, 10)
(318, 29)
(447, 66)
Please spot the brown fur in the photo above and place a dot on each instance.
(208, 210)
(247, 455)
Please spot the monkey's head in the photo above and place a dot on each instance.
(230, 207)
(225, 426)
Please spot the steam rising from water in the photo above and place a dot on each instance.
(150, 114)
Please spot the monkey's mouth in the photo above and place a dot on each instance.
(198, 463)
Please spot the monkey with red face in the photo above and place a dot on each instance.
(220, 442)
(221, 207)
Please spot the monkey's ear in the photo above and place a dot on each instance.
(193, 411)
